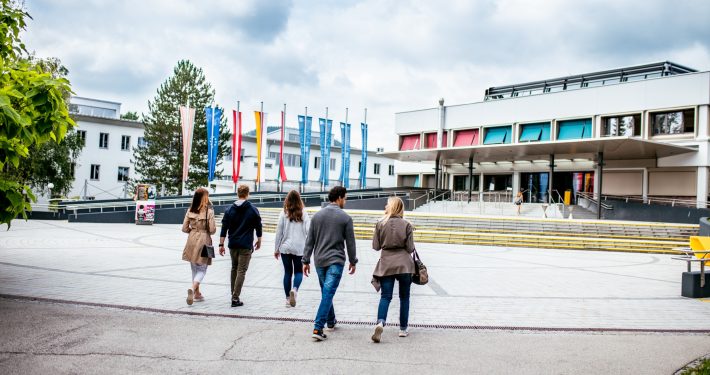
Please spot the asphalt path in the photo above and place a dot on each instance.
(64, 338)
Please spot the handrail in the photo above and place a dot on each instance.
(651, 199)
(590, 197)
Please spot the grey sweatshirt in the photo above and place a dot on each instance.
(330, 231)
(290, 235)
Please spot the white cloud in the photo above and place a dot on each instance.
(385, 55)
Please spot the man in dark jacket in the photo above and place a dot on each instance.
(240, 221)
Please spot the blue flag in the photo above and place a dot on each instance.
(321, 127)
(345, 155)
(326, 140)
(304, 134)
(214, 117)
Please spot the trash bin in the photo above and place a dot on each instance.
(568, 197)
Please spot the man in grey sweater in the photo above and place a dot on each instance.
(330, 233)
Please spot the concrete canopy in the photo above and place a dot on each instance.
(613, 148)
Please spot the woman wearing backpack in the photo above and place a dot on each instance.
(394, 236)
(199, 223)
(290, 240)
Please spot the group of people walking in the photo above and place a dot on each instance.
(328, 238)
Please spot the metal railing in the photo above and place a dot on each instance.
(590, 197)
(216, 200)
(673, 202)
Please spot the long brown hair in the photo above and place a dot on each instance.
(293, 206)
(199, 200)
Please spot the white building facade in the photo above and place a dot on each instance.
(104, 166)
(642, 129)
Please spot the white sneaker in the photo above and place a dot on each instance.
(403, 333)
(378, 332)
(292, 297)
(288, 304)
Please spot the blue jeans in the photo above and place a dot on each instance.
(329, 279)
(387, 285)
(292, 267)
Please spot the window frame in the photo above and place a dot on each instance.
(692, 117)
(101, 139)
(376, 169)
(97, 170)
(125, 141)
(127, 169)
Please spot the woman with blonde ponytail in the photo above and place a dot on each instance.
(395, 237)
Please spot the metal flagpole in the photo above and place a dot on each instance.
(363, 157)
(281, 151)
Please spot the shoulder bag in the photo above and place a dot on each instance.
(421, 275)
(208, 248)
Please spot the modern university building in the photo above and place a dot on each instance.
(639, 132)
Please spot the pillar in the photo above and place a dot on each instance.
(516, 184)
(470, 178)
(442, 123)
(550, 198)
(702, 190)
(600, 172)
(644, 185)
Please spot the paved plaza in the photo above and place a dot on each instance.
(485, 287)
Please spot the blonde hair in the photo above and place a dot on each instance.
(394, 207)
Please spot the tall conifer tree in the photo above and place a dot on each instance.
(160, 161)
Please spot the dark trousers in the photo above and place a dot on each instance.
(387, 284)
(240, 264)
(292, 268)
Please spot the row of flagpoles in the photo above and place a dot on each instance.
(213, 117)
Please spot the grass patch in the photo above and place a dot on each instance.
(702, 368)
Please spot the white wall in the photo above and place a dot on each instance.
(657, 93)
(107, 186)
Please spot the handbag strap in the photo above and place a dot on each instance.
(415, 255)
(207, 229)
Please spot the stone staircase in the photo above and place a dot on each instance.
(525, 231)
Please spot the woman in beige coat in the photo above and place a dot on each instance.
(199, 223)
(395, 237)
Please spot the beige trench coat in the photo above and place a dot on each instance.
(396, 240)
(198, 228)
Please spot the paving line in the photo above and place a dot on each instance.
(358, 323)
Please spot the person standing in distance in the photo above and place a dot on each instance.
(240, 221)
(330, 233)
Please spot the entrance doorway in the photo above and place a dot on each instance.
(497, 182)
(534, 186)
(461, 183)
(574, 182)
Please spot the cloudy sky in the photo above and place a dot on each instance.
(384, 55)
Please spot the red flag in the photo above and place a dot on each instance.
(236, 145)
(282, 168)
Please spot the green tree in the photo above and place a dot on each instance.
(160, 161)
(130, 116)
(33, 110)
(50, 162)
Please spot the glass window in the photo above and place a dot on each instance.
(377, 168)
(535, 132)
(122, 174)
(82, 136)
(574, 129)
(94, 171)
(228, 154)
(629, 125)
(142, 142)
(497, 135)
(332, 164)
(103, 140)
(125, 142)
(676, 122)
(390, 170)
(409, 142)
(316, 162)
(467, 137)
